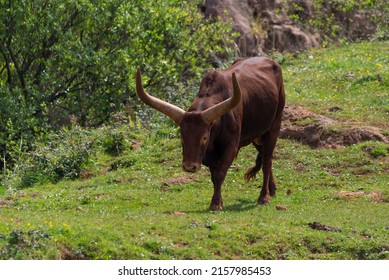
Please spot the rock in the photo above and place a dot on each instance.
(265, 25)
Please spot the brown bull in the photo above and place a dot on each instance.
(236, 107)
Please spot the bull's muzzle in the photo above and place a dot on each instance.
(191, 167)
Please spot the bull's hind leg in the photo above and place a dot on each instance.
(252, 172)
(269, 187)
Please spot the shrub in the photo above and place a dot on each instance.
(61, 156)
(74, 60)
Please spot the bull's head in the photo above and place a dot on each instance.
(195, 126)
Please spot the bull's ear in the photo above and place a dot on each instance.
(215, 112)
(170, 110)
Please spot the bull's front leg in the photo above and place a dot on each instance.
(218, 174)
(218, 177)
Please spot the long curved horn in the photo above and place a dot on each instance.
(170, 110)
(218, 110)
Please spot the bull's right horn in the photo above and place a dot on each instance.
(170, 110)
(218, 110)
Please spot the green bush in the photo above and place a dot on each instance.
(114, 142)
(65, 61)
(62, 155)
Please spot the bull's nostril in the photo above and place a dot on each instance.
(190, 167)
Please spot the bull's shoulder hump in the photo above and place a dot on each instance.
(252, 62)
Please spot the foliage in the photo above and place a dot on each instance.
(25, 245)
(376, 150)
(334, 19)
(67, 153)
(64, 61)
(63, 155)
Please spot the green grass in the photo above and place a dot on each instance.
(137, 203)
(354, 78)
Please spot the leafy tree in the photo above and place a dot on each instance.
(64, 61)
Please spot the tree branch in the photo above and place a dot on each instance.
(9, 74)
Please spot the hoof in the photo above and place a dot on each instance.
(263, 200)
(216, 207)
(216, 204)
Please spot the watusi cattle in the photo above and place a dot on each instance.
(235, 107)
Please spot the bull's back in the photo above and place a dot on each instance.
(262, 96)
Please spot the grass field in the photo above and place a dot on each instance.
(353, 77)
(139, 204)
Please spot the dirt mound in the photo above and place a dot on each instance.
(318, 131)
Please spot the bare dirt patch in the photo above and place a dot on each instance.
(319, 226)
(375, 196)
(69, 254)
(281, 207)
(319, 131)
(9, 199)
(177, 213)
(180, 180)
(177, 181)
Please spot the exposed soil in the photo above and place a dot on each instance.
(68, 254)
(319, 226)
(281, 207)
(177, 213)
(376, 196)
(176, 181)
(9, 199)
(318, 131)
(179, 180)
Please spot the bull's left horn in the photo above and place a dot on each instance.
(216, 111)
(170, 110)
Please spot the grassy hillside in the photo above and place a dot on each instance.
(132, 201)
(353, 77)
